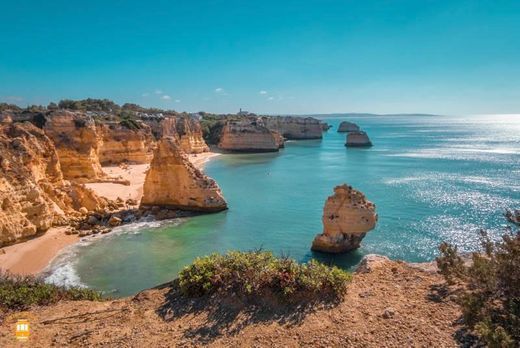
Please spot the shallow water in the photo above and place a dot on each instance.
(432, 178)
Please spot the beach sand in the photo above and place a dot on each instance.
(33, 255)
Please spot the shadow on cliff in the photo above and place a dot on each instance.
(214, 316)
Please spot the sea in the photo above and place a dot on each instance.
(432, 179)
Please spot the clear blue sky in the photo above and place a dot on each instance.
(266, 56)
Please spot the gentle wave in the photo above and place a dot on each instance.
(63, 269)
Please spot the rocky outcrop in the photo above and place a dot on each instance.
(358, 139)
(346, 126)
(173, 182)
(76, 140)
(325, 126)
(122, 144)
(33, 194)
(185, 130)
(249, 136)
(347, 217)
(294, 128)
(190, 136)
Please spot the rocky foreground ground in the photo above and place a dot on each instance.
(388, 304)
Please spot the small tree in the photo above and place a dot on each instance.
(490, 286)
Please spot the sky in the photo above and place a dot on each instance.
(274, 57)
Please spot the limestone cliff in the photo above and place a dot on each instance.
(173, 182)
(346, 126)
(358, 139)
(347, 217)
(122, 144)
(76, 140)
(185, 130)
(33, 194)
(294, 127)
(190, 136)
(249, 136)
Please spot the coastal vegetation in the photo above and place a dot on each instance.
(257, 274)
(19, 292)
(489, 286)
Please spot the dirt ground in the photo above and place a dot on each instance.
(393, 305)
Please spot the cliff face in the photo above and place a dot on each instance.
(190, 136)
(249, 136)
(76, 140)
(294, 127)
(358, 139)
(173, 182)
(121, 144)
(347, 217)
(33, 194)
(185, 130)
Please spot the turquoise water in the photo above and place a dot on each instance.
(432, 178)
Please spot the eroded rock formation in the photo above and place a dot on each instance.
(33, 194)
(358, 139)
(347, 217)
(346, 126)
(294, 128)
(122, 144)
(190, 136)
(249, 136)
(185, 130)
(75, 137)
(173, 182)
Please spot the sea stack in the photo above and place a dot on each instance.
(358, 139)
(347, 217)
(346, 126)
(172, 182)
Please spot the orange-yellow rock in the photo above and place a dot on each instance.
(33, 194)
(249, 136)
(122, 144)
(347, 217)
(173, 182)
(75, 137)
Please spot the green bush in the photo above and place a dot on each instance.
(259, 273)
(490, 287)
(21, 292)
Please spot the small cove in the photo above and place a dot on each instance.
(432, 178)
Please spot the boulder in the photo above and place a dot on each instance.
(358, 139)
(347, 217)
(114, 221)
(173, 182)
(346, 126)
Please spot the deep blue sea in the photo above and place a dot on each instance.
(432, 178)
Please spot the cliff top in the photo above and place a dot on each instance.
(392, 303)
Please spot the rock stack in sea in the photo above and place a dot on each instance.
(347, 217)
(346, 126)
(172, 182)
(358, 139)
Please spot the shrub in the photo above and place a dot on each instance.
(259, 273)
(490, 287)
(128, 120)
(22, 292)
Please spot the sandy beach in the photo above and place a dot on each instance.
(33, 255)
